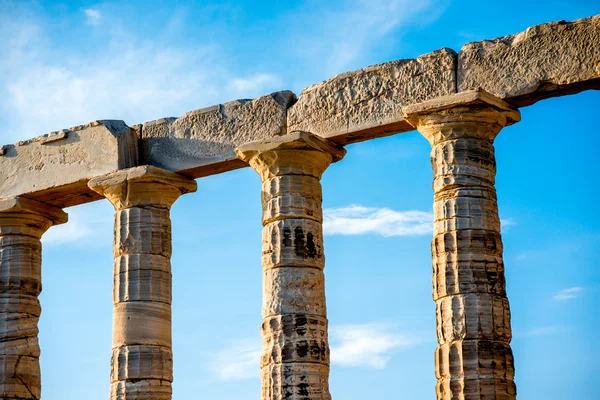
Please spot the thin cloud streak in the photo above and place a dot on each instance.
(93, 16)
(367, 345)
(239, 361)
(88, 225)
(568, 293)
(544, 331)
(359, 220)
(370, 345)
(254, 85)
(45, 87)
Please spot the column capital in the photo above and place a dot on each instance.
(19, 215)
(142, 186)
(470, 107)
(299, 153)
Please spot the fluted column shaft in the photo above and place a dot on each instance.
(474, 358)
(295, 357)
(142, 360)
(22, 224)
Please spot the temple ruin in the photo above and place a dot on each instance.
(458, 101)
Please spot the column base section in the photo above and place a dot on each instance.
(476, 389)
(142, 362)
(475, 370)
(298, 381)
(147, 389)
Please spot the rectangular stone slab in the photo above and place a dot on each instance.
(55, 168)
(546, 60)
(367, 103)
(202, 142)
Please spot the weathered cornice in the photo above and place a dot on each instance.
(545, 61)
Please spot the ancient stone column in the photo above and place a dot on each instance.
(142, 360)
(295, 357)
(474, 359)
(22, 223)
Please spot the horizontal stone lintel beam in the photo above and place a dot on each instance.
(545, 61)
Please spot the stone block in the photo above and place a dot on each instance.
(202, 142)
(55, 168)
(544, 61)
(367, 103)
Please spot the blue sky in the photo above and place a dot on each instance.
(67, 63)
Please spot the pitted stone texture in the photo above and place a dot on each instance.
(296, 381)
(473, 316)
(465, 213)
(143, 230)
(293, 242)
(146, 389)
(22, 223)
(544, 61)
(299, 153)
(303, 198)
(201, 142)
(142, 362)
(491, 362)
(295, 357)
(56, 171)
(293, 290)
(363, 104)
(142, 277)
(294, 338)
(474, 358)
(144, 186)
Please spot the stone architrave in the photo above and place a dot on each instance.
(22, 224)
(55, 168)
(202, 142)
(474, 359)
(367, 103)
(142, 360)
(295, 357)
(547, 60)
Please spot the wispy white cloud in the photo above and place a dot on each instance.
(88, 225)
(340, 36)
(370, 345)
(359, 220)
(568, 293)
(92, 16)
(543, 331)
(238, 361)
(367, 345)
(45, 86)
(507, 222)
(254, 85)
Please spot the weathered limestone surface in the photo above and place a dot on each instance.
(142, 359)
(55, 168)
(544, 61)
(202, 142)
(367, 103)
(474, 359)
(295, 358)
(22, 223)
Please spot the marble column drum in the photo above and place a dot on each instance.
(474, 359)
(22, 224)
(142, 359)
(295, 357)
